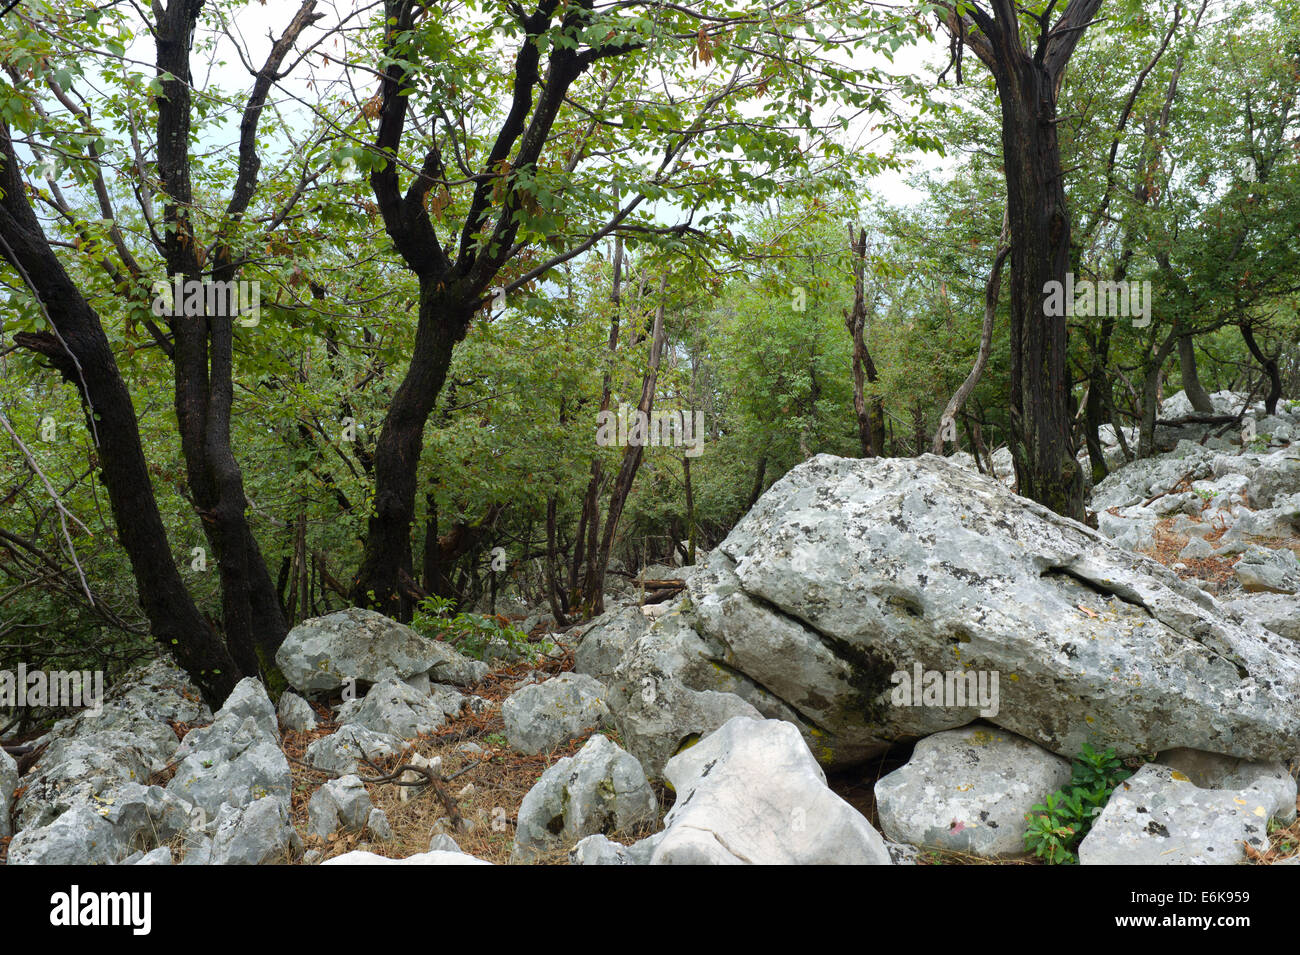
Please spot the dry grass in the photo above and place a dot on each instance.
(487, 787)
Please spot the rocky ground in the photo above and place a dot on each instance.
(753, 718)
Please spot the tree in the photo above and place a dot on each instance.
(1029, 81)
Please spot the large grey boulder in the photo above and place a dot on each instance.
(848, 573)
(258, 833)
(1160, 817)
(8, 783)
(751, 792)
(606, 640)
(105, 829)
(395, 708)
(340, 803)
(296, 714)
(137, 712)
(1277, 475)
(602, 789)
(343, 752)
(249, 701)
(323, 653)
(968, 790)
(541, 716)
(145, 816)
(1274, 785)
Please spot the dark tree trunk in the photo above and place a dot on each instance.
(1028, 83)
(451, 289)
(1094, 406)
(1192, 387)
(387, 555)
(88, 363)
(869, 429)
(1046, 470)
(204, 346)
(1270, 366)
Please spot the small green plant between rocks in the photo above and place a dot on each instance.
(1058, 824)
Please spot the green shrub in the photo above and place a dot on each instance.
(1058, 824)
(472, 634)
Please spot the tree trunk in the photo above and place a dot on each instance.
(81, 353)
(1041, 446)
(855, 321)
(387, 556)
(1192, 387)
(1028, 84)
(1270, 367)
(632, 455)
(992, 289)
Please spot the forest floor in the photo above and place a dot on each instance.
(486, 787)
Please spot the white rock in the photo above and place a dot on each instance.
(968, 790)
(600, 790)
(1160, 817)
(542, 716)
(751, 792)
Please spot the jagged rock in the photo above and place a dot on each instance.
(600, 850)
(237, 759)
(1132, 528)
(1141, 480)
(80, 836)
(296, 713)
(255, 834)
(342, 752)
(1278, 475)
(1270, 571)
(1197, 549)
(145, 816)
(74, 770)
(248, 701)
(324, 652)
(541, 716)
(377, 825)
(394, 708)
(751, 792)
(442, 842)
(867, 568)
(8, 783)
(106, 828)
(340, 803)
(606, 640)
(137, 710)
(423, 858)
(968, 790)
(1278, 612)
(601, 789)
(1160, 817)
